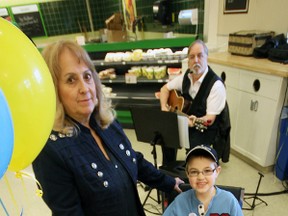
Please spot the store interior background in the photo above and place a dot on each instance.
(61, 21)
(62, 18)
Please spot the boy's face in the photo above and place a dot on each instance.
(202, 183)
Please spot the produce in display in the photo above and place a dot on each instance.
(108, 73)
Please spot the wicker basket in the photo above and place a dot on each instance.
(244, 42)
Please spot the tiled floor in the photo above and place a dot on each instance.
(19, 194)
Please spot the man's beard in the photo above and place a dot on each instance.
(196, 69)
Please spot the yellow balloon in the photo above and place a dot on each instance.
(28, 87)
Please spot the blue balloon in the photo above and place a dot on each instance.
(6, 135)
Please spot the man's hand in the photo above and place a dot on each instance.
(192, 120)
(166, 108)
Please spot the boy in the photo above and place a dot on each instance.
(202, 169)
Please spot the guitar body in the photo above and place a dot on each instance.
(177, 102)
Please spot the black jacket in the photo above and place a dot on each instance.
(77, 179)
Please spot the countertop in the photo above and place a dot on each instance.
(249, 63)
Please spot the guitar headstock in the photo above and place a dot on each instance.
(201, 124)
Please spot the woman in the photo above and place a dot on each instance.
(88, 166)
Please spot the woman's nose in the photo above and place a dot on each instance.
(83, 87)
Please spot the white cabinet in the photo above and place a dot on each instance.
(255, 101)
(254, 128)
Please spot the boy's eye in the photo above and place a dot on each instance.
(205, 172)
(193, 173)
(208, 171)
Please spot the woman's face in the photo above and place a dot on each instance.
(76, 87)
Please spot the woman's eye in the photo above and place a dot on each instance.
(70, 80)
(87, 76)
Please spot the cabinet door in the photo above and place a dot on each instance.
(254, 124)
(229, 75)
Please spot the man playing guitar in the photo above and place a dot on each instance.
(193, 85)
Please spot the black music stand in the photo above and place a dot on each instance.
(155, 127)
(255, 196)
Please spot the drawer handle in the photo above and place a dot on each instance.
(254, 105)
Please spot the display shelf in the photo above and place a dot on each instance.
(121, 79)
(136, 63)
(142, 90)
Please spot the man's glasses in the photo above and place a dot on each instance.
(205, 172)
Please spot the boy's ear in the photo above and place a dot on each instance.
(218, 170)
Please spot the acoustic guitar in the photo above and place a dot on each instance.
(178, 104)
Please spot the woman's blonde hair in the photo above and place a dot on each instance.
(103, 112)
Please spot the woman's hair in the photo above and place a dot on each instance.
(103, 112)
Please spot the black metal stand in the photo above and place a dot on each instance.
(157, 128)
(157, 137)
(255, 197)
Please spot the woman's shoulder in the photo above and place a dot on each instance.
(58, 140)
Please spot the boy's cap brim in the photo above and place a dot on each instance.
(203, 148)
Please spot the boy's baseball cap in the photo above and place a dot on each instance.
(203, 149)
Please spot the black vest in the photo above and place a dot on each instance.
(215, 133)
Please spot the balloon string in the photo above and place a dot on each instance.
(20, 174)
(10, 192)
(2, 204)
(39, 191)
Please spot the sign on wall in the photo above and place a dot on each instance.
(4, 13)
(29, 20)
(235, 6)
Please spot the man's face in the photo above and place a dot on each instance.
(197, 59)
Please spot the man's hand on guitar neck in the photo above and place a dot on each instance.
(192, 120)
(199, 123)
